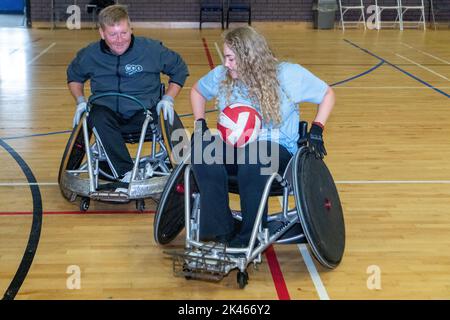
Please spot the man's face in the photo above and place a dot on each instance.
(117, 37)
(230, 61)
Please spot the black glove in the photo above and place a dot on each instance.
(315, 141)
(200, 128)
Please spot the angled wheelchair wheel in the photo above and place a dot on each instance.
(319, 208)
(74, 152)
(175, 139)
(169, 218)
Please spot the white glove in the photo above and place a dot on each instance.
(166, 104)
(81, 108)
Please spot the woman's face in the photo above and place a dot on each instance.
(230, 61)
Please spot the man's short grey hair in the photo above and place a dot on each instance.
(113, 15)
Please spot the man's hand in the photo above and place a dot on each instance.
(81, 108)
(166, 104)
(315, 140)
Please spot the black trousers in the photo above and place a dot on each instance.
(252, 165)
(110, 126)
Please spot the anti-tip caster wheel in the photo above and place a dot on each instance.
(242, 279)
(140, 205)
(187, 271)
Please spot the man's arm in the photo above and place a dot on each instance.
(76, 90)
(173, 65)
(173, 90)
(167, 102)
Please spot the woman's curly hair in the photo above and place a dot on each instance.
(257, 70)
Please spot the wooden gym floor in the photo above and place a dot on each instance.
(388, 150)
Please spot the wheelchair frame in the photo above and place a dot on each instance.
(213, 261)
(202, 260)
(72, 183)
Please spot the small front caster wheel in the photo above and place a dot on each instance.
(187, 271)
(242, 279)
(140, 205)
(84, 204)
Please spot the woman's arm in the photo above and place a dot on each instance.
(325, 107)
(198, 103)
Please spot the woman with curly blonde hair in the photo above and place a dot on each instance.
(252, 75)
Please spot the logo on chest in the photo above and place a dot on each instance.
(133, 68)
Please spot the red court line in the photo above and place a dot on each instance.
(25, 213)
(275, 270)
(208, 53)
(277, 274)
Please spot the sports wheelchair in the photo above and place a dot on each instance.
(316, 219)
(86, 171)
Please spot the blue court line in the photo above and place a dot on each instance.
(399, 69)
(207, 111)
(358, 75)
(69, 131)
(191, 114)
(37, 135)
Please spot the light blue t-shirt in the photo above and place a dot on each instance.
(297, 85)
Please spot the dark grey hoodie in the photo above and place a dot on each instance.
(136, 72)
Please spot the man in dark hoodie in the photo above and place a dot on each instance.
(121, 62)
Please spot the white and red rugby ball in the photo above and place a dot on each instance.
(239, 124)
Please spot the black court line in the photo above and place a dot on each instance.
(35, 232)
